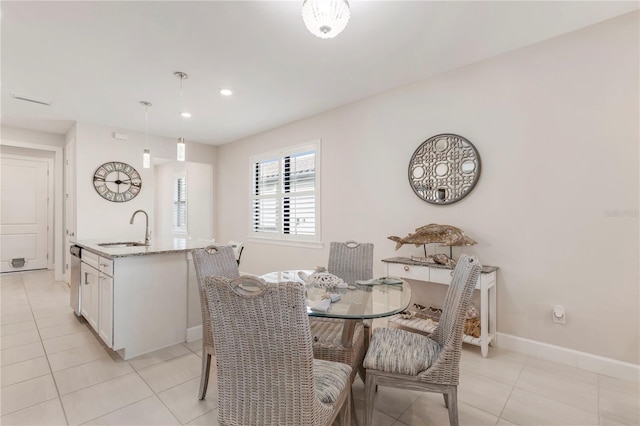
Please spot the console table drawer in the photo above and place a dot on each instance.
(441, 276)
(412, 272)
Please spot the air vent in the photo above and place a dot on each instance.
(28, 98)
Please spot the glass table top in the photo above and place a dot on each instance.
(372, 300)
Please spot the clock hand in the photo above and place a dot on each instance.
(118, 180)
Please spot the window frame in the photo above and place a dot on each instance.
(181, 230)
(279, 237)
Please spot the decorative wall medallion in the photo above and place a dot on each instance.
(117, 182)
(444, 169)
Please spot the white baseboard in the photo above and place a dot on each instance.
(594, 363)
(194, 333)
(586, 361)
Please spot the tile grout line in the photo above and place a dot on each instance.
(153, 391)
(56, 383)
(515, 383)
(599, 379)
(45, 356)
(137, 372)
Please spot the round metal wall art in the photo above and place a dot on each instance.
(444, 169)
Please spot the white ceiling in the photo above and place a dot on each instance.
(95, 60)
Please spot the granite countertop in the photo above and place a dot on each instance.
(170, 245)
(409, 261)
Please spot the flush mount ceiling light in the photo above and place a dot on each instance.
(325, 18)
(226, 92)
(146, 155)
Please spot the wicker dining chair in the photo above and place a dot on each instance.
(407, 360)
(350, 261)
(212, 260)
(266, 371)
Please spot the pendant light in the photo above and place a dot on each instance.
(146, 155)
(182, 148)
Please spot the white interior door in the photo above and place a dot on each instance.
(24, 213)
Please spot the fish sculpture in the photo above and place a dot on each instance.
(447, 235)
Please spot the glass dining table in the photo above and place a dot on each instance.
(358, 301)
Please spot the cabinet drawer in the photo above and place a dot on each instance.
(441, 276)
(90, 258)
(106, 266)
(413, 272)
(444, 276)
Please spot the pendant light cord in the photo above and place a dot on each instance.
(146, 126)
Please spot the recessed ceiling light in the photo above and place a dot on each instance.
(31, 99)
(226, 92)
(186, 114)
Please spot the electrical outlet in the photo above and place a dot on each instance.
(558, 314)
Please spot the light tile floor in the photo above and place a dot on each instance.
(55, 371)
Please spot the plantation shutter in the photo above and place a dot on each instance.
(180, 203)
(285, 195)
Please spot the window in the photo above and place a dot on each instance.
(180, 203)
(285, 202)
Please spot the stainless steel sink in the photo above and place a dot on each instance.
(123, 244)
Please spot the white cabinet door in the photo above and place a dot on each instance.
(90, 294)
(106, 309)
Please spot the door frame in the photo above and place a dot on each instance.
(55, 184)
(50, 227)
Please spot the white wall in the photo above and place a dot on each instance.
(32, 136)
(98, 218)
(556, 125)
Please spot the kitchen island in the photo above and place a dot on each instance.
(137, 297)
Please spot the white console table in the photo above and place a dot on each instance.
(407, 268)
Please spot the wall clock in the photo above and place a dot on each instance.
(444, 169)
(117, 182)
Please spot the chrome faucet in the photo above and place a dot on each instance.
(147, 233)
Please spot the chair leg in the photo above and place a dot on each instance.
(369, 396)
(353, 419)
(204, 374)
(452, 397)
(362, 372)
(347, 411)
(351, 416)
(446, 400)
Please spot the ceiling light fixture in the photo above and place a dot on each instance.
(146, 155)
(226, 92)
(181, 148)
(325, 18)
(182, 76)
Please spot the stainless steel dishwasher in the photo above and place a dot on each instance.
(74, 279)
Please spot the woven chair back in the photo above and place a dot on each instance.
(457, 300)
(212, 260)
(351, 260)
(263, 351)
